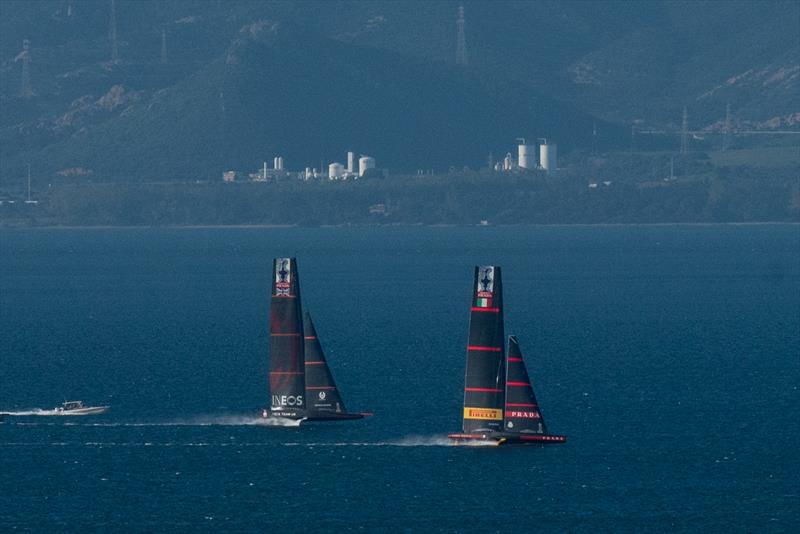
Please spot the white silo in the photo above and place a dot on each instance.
(280, 163)
(548, 156)
(351, 162)
(364, 164)
(275, 163)
(335, 171)
(508, 162)
(526, 155)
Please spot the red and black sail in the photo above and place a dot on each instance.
(321, 392)
(522, 412)
(286, 347)
(484, 387)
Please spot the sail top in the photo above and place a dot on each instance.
(286, 350)
(321, 392)
(484, 384)
(522, 412)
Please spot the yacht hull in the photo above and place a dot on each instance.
(89, 410)
(503, 438)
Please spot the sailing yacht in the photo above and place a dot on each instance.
(499, 402)
(301, 383)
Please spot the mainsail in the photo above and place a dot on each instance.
(321, 392)
(485, 375)
(521, 411)
(286, 355)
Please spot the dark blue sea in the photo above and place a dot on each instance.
(669, 356)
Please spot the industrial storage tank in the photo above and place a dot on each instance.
(351, 162)
(527, 157)
(508, 162)
(335, 171)
(548, 156)
(364, 164)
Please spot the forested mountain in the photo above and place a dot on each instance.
(245, 80)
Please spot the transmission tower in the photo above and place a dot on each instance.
(112, 32)
(163, 46)
(727, 142)
(685, 132)
(462, 58)
(25, 90)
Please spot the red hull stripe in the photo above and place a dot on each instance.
(522, 405)
(514, 359)
(279, 334)
(489, 310)
(284, 296)
(285, 373)
(310, 337)
(488, 349)
(520, 384)
(314, 363)
(320, 387)
(488, 390)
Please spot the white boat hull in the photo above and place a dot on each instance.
(89, 410)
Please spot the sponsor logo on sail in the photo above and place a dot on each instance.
(287, 400)
(322, 395)
(483, 413)
(283, 276)
(485, 283)
(516, 414)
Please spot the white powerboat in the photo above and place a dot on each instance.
(78, 408)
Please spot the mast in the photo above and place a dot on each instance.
(521, 410)
(286, 354)
(321, 392)
(484, 382)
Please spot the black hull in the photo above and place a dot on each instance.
(504, 438)
(335, 416)
(318, 416)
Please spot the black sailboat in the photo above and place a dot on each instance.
(499, 402)
(301, 384)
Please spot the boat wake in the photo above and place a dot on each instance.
(32, 411)
(236, 420)
(409, 441)
(441, 441)
(203, 420)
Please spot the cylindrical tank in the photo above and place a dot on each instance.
(527, 157)
(335, 171)
(351, 162)
(364, 164)
(280, 163)
(508, 162)
(548, 157)
(275, 163)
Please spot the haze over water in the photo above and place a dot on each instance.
(667, 354)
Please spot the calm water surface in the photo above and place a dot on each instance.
(670, 356)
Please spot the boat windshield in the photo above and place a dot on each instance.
(73, 405)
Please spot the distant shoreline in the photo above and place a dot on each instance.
(395, 225)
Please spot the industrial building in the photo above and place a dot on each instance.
(526, 157)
